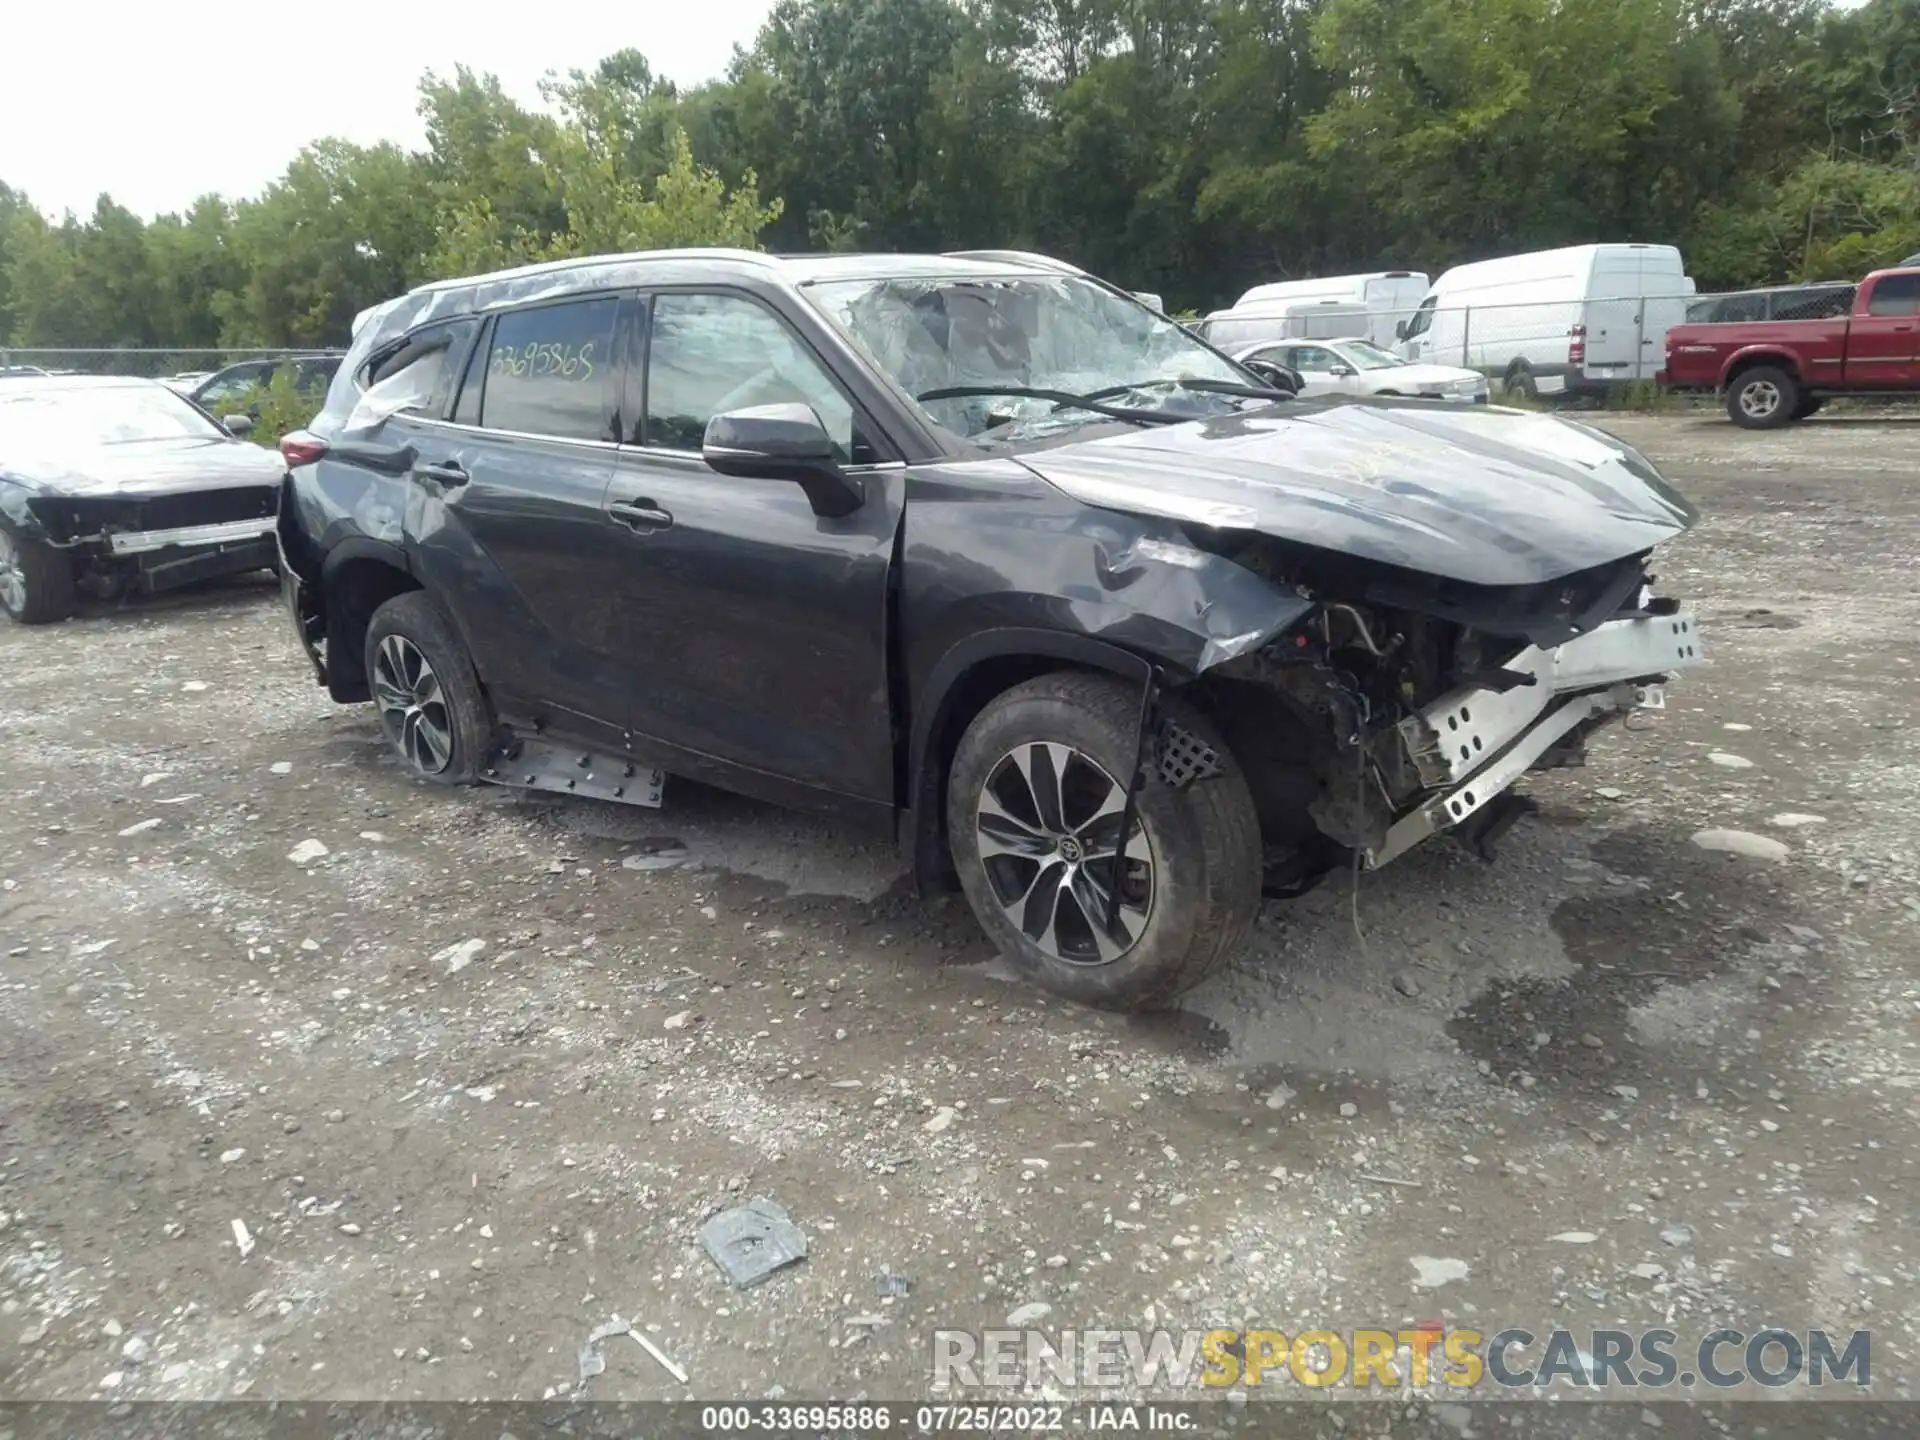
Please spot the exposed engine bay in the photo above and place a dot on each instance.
(1401, 705)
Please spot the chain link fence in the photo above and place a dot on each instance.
(178, 365)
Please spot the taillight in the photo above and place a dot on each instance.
(301, 447)
(1577, 346)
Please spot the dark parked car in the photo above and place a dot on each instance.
(227, 388)
(113, 484)
(983, 551)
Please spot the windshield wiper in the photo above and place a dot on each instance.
(1211, 387)
(1062, 400)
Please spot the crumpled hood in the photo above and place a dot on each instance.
(1483, 495)
(146, 467)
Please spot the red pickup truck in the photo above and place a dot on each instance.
(1777, 371)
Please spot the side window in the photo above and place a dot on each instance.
(1895, 295)
(1423, 317)
(414, 376)
(1312, 359)
(708, 354)
(547, 370)
(236, 382)
(466, 409)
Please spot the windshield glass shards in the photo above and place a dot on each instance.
(1059, 334)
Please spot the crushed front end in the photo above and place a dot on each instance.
(1402, 706)
(155, 542)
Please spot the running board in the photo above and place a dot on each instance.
(532, 764)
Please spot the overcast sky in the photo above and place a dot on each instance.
(157, 103)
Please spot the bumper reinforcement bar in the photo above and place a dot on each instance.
(232, 532)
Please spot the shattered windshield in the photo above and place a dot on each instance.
(1029, 332)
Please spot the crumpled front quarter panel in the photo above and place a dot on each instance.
(987, 547)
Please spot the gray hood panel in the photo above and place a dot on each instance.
(1487, 496)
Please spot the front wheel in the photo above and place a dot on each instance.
(1763, 398)
(1035, 803)
(424, 687)
(36, 581)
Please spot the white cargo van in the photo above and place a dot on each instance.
(1233, 330)
(1386, 296)
(1554, 322)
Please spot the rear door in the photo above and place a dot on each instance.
(760, 627)
(507, 522)
(1613, 315)
(1883, 345)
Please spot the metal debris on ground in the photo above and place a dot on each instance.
(242, 1238)
(892, 1285)
(750, 1242)
(592, 1362)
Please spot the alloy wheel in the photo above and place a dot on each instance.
(1047, 825)
(412, 708)
(13, 579)
(1760, 399)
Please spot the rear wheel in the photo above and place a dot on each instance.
(1520, 382)
(1809, 404)
(1763, 398)
(1036, 798)
(36, 581)
(425, 690)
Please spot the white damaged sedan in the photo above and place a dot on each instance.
(1359, 367)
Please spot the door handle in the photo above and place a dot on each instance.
(452, 473)
(640, 515)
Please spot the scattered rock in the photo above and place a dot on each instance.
(1404, 982)
(944, 1116)
(1678, 1236)
(1575, 1237)
(194, 687)
(679, 1020)
(1592, 1041)
(1056, 1262)
(227, 1157)
(1741, 842)
(1348, 1110)
(1433, 1271)
(334, 1117)
(1280, 1097)
(457, 957)
(143, 826)
(280, 767)
(135, 1351)
(1647, 1270)
(1028, 1314)
(306, 852)
(112, 1330)
(1607, 792)
(1729, 762)
(1794, 819)
(349, 1228)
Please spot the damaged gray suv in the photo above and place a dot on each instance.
(1106, 627)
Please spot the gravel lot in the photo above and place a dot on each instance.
(453, 1163)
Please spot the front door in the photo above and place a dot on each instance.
(758, 628)
(509, 520)
(1317, 366)
(1883, 346)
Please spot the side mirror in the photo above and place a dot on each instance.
(238, 426)
(1341, 371)
(782, 442)
(1399, 329)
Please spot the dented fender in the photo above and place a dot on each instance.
(1002, 567)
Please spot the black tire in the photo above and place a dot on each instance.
(1202, 843)
(1520, 381)
(1809, 405)
(36, 581)
(1763, 398)
(456, 723)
